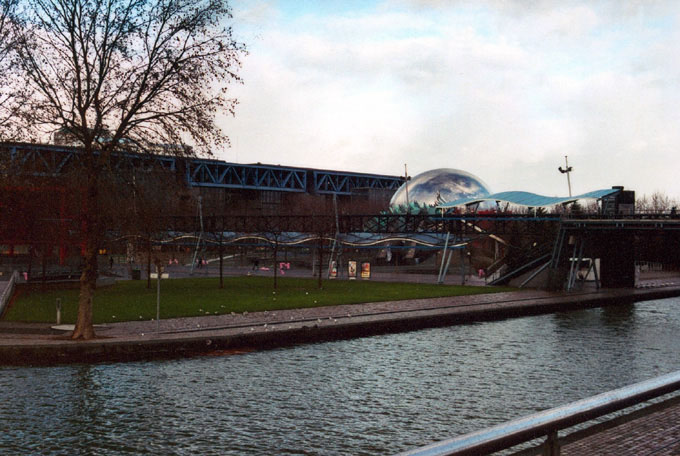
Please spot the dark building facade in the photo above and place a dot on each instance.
(41, 199)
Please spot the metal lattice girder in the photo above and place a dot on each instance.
(144, 162)
(42, 160)
(49, 160)
(213, 173)
(344, 183)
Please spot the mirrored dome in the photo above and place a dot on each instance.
(446, 183)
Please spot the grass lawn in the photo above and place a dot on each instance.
(131, 300)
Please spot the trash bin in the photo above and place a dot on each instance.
(136, 274)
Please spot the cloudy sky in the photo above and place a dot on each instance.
(503, 89)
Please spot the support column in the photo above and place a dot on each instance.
(617, 260)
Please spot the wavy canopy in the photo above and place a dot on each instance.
(529, 199)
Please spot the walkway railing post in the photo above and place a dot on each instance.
(552, 445)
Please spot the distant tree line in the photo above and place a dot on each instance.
(656, 202)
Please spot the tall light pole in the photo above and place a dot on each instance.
(566, 171)
(408, 205)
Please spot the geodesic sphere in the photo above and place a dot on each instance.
(450, 184)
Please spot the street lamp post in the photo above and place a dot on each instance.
(566, 171)
(408, 203)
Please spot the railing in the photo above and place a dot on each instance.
(8, 291)
(549, 422)
(638, 215)
(373, 223)
(646, 266)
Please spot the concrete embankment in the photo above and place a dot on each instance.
(37, 344)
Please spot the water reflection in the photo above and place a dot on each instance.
(377, 395)
(619, 318)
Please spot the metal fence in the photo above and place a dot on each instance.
(549, 422)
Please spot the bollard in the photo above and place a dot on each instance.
(58, 311)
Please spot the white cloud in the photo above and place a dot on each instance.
(492, 87)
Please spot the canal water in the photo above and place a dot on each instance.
(370, 396)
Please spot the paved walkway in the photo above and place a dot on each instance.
(656, 434)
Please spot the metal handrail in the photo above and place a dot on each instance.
(8, 291)
(549, 422)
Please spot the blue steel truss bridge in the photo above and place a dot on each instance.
(42, 160)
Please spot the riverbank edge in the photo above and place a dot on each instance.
(257, 336)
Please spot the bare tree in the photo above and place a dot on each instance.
(138, 208)
(112, 76)
(656, 202)
(7, 8)
(7, 18)
(8, 99)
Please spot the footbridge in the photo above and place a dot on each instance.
(550, 250)
(557, 251)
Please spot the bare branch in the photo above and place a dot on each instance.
(114, 75)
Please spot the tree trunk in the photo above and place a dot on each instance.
(84, 328)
